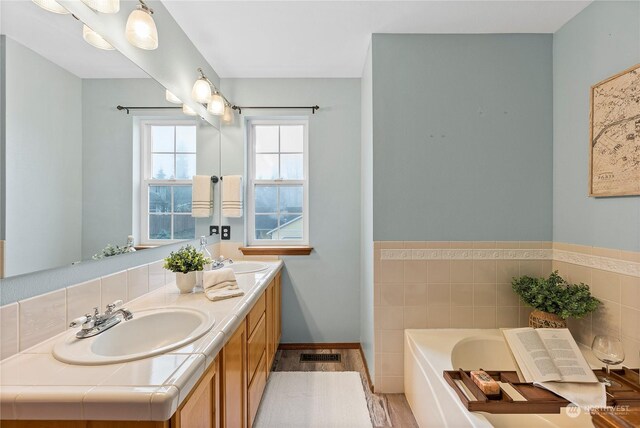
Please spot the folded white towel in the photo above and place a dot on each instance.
(201, 196)
(232, 205)
(219, 278)
(220, 284)
(215, 295)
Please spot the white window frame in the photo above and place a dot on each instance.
(252, 182)
(146, 174)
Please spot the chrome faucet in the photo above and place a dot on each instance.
(219, 263)
(96, 323)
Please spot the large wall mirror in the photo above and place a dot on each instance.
(79, 174)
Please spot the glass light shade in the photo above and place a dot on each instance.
(95, 39)
(201, 91)
(103, 6)
(188, 110)
(141, 30)
(52, 6)
(216, 105)
(228, 116)
(171, 98)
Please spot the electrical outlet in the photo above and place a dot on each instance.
(226, 233)
(214, 230)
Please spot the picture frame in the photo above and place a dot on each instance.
(614, 135)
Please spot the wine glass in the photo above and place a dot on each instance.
(609, 350)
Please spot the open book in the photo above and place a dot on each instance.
(548, 354)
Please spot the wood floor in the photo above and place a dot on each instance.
(386, 410)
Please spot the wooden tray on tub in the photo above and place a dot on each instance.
(537, 400)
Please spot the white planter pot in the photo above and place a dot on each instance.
(185, 281)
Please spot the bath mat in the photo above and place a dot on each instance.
(313, 399)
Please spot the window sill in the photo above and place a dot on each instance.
(277, 251)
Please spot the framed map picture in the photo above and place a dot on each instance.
(614, 164)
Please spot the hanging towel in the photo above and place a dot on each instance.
(220, 284)
(202, 201)
(232, 205)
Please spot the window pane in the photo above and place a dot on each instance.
(159, 226)
(162, 167)
(162, 138)
(182, 199)
(186, 166)
(186, 139)
(159, 199)
(291, 167)
(184, 227)
(291, 200)
(266, 139)
(291, 138)
(266, 199)
(290, 226)
(266, 167)
(266, 226)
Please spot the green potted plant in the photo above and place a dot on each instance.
(554, 300)
(185, 263)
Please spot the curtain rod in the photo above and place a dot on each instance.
(239, 108)
(313, 108)
(127, 108)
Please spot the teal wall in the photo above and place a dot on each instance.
(601, 41)
(320, 292)
(462, 137)
(43, 150)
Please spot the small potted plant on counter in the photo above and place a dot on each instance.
(554, 300)
(185, 263)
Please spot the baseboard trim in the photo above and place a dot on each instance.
(302, 346)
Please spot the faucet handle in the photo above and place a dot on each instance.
(81, 320)
(111, 306)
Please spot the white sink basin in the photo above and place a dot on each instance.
(246, 267)
(150, 332)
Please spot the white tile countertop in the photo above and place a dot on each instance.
(34, 385)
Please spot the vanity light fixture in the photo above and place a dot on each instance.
(95, 39)
(103, 6)
(228, 116)
(188, 110)
(168, 95)
(141, 29)
(52, 6)
(205, 92)
(216, 104)
(201, 91)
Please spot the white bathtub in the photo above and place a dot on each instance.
(427, 353)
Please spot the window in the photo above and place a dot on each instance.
(169, 163)
(278, 182)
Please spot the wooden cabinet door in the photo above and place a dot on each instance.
(271, 324)
(199, 409)
(234, 380)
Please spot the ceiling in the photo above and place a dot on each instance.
(266, 38)
(330, 38)
(59, 39)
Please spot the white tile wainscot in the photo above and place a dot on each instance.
(37, 386)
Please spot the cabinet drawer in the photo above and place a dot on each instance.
(256, 388)
(255, 314)
(257, 345)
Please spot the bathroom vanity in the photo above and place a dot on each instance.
(215, 381)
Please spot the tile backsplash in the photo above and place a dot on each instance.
(30, 321)
(427, 284)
